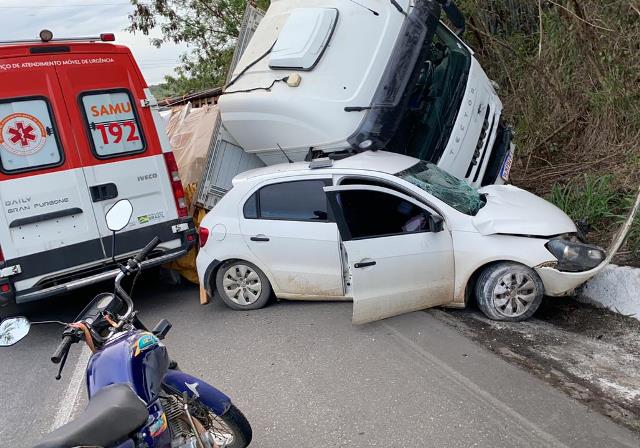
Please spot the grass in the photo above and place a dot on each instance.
(595, 200)
(589, 198)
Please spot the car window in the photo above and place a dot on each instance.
(250, 209)
(113, 124)
(293, 201)
(371, 214)
(28, 137)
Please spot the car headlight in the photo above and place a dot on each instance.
(574, 256)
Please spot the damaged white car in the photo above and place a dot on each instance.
(393, 234)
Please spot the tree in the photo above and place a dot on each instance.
(209, 27)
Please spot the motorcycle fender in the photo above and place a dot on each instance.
(208, 395)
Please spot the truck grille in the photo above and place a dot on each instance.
(482, 146)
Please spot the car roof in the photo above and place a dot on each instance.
(380, 161)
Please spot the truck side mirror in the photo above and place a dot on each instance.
(436, 223)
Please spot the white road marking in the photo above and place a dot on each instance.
(68, 402)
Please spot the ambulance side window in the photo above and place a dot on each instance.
(114, 128)
(28, 137)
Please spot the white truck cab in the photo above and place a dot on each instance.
(322, 76)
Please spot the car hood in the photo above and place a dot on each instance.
(514, 211)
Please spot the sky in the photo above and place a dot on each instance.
(23, 19)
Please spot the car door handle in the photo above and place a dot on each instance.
(364, 264)
(260, 238)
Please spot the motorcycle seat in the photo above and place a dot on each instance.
(112, 414)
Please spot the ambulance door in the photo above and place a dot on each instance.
(47, 217)
(119, 147)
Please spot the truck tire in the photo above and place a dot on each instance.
(508, 291)
(242, 285)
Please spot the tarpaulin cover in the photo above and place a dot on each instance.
(190, 131)
(451, 190)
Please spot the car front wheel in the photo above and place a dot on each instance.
(242, 285)
(509, 292)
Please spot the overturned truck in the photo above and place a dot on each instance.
(322, 78)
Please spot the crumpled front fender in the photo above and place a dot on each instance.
(208, 395)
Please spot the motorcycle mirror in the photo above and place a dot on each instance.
(119, 215)
(13, 330)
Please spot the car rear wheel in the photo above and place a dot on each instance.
(509, 292)
(242, 285)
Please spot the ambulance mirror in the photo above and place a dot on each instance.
(13, 330)
(119, 215)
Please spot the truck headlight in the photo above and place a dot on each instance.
(574, 256)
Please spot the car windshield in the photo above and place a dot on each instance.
(449, 189)
(435, 99)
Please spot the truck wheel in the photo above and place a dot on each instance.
(509, 292)
(242, 286)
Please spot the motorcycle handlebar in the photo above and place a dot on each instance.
(62, 349)
(144, 253)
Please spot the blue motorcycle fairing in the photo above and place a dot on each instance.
(136, 358)
(208, 395)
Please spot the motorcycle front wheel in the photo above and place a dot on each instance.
(230, 430)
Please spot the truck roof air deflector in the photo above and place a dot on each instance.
(303, 38)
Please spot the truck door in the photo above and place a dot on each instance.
(46, 206)
(119, 145)
(398, 263)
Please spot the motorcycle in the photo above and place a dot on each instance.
(137, 396)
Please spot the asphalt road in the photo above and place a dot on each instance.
(305, 377)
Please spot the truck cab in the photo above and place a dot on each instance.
(322, 76)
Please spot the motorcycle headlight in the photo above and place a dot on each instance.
(574, 256)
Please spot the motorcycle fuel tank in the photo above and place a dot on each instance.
(137, 358)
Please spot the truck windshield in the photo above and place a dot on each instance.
(435, 99)
(450, 190)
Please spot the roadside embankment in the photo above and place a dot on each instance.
(616, 288)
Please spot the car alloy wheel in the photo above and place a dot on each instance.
(514, 293)
(241, 284)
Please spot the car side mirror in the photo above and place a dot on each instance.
(436, 223)
(13, 330)
(119, 215)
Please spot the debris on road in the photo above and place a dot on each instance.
(591, 354)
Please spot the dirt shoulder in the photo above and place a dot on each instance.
(592, 355)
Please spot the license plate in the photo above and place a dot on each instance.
(505, 171)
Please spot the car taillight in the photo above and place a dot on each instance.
(1, 255)
(204, 235)
(176, 184)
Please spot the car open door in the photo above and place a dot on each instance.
(400, 253)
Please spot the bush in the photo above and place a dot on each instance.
(571, 91)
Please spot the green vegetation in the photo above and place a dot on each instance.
(209, 27)
(594, 200)
(588, 198)
(569, 72)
